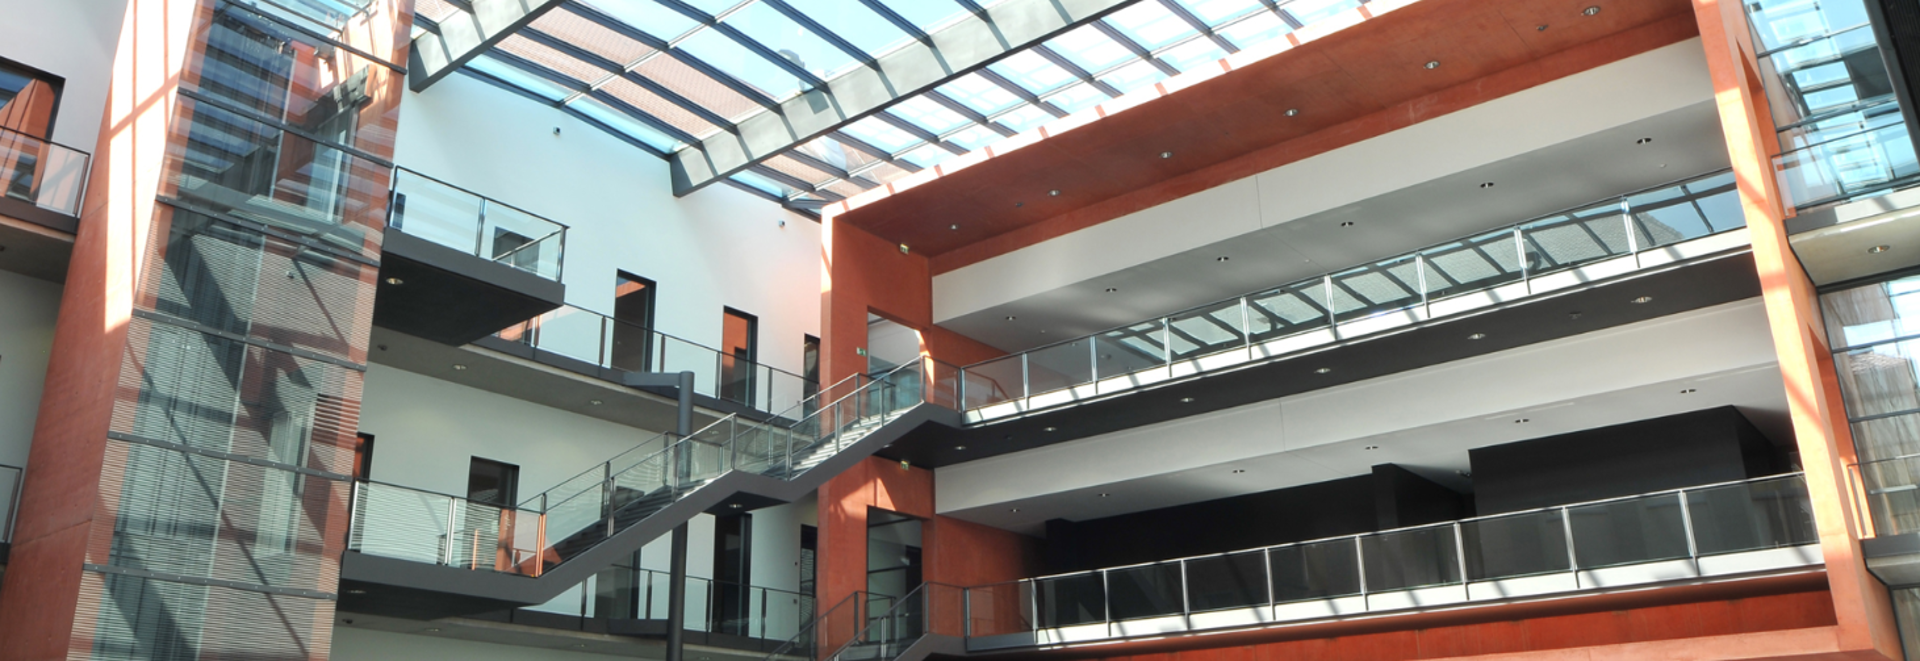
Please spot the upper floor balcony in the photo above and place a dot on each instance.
(41, 185)
(458, 266)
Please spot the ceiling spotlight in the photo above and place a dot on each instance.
(1054, 193)
(1053, 429)
(903, 249)
(1642, 300)
(1111, 290)
(1878, 249)
(1323, 370)
(1523, 421)
(1346, 223)
(395, 281)
(1373, 447)
(1643, 141)
(431, 629)
(1591, 10)
(1293, 112)
(1238, 471)
(1017, 205)
(1573, 315)
(1540, 28)
(955, 227)
(1433, 64)
(356, 591)
(1222, 258)
(1011, 317)
(579, 645)
(1103, 495)
(961, 448)
(734, 506)
(1477, 336)
(1186, 400)
(457, 367)
(1486, 185)
(1016, 509)
(1688, 391)
(594, 402)
(1166, 154)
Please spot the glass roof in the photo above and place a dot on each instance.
(668, 73)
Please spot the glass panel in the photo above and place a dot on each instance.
(925, 15)
(1780, 22)
(1422, 557)
(927, 114)
(1192, 54)
(1883, 378)
(1211, 329)
(1077, 98)
(927, 156)
(995, 381)
(1256, 29)
(1310, 11)
(1751, 516)
(1090, 48)
(1292, 309)
(1234, 580)
(1574, 238)
(1893, 495)
(1373, 289)
(1133, 76)
(881, 135)
(1320, 570)
(982, 95)
(1141, 592)
(1033, 72)
(1001, 608)
(1212, 12)
(1069, 600)
(1847, 166)
(1150, 25)
(523, 241)
(1127, 350)
(1518, 545)
(1872, 313)
(1470, 265)
(1689, 211)
(647, 16)
(1059, 366)
(1623, 532)
(853, 21)
(1024, 118)
(48, 175)
(723, 53)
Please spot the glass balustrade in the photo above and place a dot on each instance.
(1593, 241)
(45, 174)
(626, 592)
(1892, 490)
(440, 212)
(578, 513)
(1847, 166)
(1573, 541)
(9, 500)
(603, 341)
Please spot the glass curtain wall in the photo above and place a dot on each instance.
(233, 442)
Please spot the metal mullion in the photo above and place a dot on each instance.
(898, 21)
(1285, 16)
(669, 48)
(616, 71)
(1134, 47)
(1061, 61)
(1022, 92)
(969, 113)
(821, 31)
(1194, 21)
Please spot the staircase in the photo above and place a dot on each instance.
(930, 620)
(422, 555)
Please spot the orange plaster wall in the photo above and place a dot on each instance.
(862, 273)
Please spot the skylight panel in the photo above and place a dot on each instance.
(1088, 47)
(1077, 98)
(981, 95)
(625, 124)
(927, 114)
(1134, 76)
(1024, 118)
(723, 53)
(974, 137)
(1192, 54)
(646, 16)
(1033, 72)
(780, 34)
(927, 156)
(881, 134)
(1255, 30)
(1213, 12)
(853, 21)
(928, 15)
(1150, 24)
(1309, 12)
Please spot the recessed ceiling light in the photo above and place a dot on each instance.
(1878, 249)
(1103, 495)
(1323, 370)
(396, 281)
(1688, 391)
(1011, 317)
(457, 367)
(1222, 258)
(1053, 429)
(1373, 447)
(1016, 509)
(1111, 290)
(1166, 154)
(1186, 400)
(1293, 112)
(903, 249)
(955, 227)
(594, 402)
(734, 506)
(1477, 336)
(1019, 204)
(1523, 421)
(1346, 223)
(1573, 315)
(1540, 28)
(1591, 10)
(960, 448)
(1433, 64)
(1486, 185)
(1642, 300)
(1643, 141)
(381, 347)
(1054, 193)
(356, 591)
(579, 644)
(1238, 471)
(431, 629)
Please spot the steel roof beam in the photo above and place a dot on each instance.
(462, 37)
(963, 46)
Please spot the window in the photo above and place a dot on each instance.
(493, 483)
(27, 100)
(738, 356)
(732, 565)
(363, 457)
(810, 367)
(633, 312)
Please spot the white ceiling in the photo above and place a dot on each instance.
(1425, 420)
(1559, 145)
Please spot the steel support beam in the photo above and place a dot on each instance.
(963, 46)
(464, 36)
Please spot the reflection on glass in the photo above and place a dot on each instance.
(1517, 545)
(1142, 592)
(1208, 330)
(1069, 600)
(1316, 570)
(1751, 516)
(1233, 580)
(1407, 559)
(1629, 531)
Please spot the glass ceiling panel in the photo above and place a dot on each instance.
(1212, 12)
(1256, 29)
(1134, 76)
(590, 36)
(925, 113)
(927, 156)
(853, 21)
(796, 169)
(645, 15)
(434, 10)
(1033, 72)
(712, 7)
(834, 153)
(652, 104)
(763, 184)
(697, 87)
(974, 137)
(621, 122)
(1024, 118)
(782, 35)
(512, 75)
(552, 59)
(980, 94)
(1089, 48)
(881, 135)
(1310, 11)
(1193, 53)
(733, 59)
(928, 15)
(1149, 24)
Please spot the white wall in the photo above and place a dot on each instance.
(27, 310)
(720, 247)
(73, 39)
(1639, 87)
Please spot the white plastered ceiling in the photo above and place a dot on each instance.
(1560, 144)
(1425, 420)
